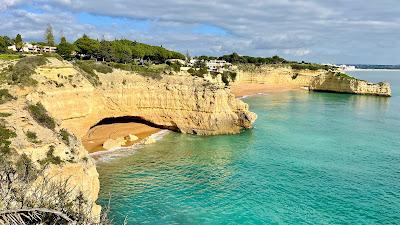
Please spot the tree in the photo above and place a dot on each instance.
(65, 49)
(49, 35)
(3, 45)
(105, 51)
(87, 46)
(19, 44)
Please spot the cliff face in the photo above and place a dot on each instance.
(55, 160)
(177, 101)
(277, 75)
(343, 84)
(316, 80)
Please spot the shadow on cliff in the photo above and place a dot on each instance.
(133, 119)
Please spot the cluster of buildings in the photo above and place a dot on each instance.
(218, 66)
(32, 48)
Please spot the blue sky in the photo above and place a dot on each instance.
(325, 31)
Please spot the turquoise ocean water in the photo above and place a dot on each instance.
(312, 158)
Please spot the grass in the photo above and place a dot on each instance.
(309, 66)
(152, 71)
(22, 71)
(344, 75)
(32, 137)
(228, 76)
(40, 115)
(10, 56)
(5, 135)
(54, 55)
(5, 96)
(65, 136)
(89, 67)
(50, 158)
(5, 114)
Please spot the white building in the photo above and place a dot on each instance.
(30, 48)
(218, 65)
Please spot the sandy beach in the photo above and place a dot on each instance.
(96, 136)
(244, 89)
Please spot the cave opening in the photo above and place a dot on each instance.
(112, 132)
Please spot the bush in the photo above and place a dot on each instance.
(5, 114)
(152, 71)
(228, 76)
(39, 114)
(65, 136)
(5, 96)
(50, 158)
(32, 137)
(89, 67)
(22, 71)
(199, 72)
(10, 56)
(54, 55)
(309, 66)
(5, 135)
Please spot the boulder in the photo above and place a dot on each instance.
(113, 143)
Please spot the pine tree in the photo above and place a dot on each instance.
(19, 44)
(49, 35)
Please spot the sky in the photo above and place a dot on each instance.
(322, 31)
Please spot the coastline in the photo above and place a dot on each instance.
(96, 136)
(248, 89)
(371, 70)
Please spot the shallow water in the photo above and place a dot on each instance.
(312, 158)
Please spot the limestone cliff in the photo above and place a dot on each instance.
(176, 101)
(345, 84)
(316, 80)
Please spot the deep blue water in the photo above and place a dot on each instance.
(312, 158)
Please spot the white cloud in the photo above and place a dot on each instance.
(318, 30)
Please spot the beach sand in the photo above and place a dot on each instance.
(245, 89)
(96, 136)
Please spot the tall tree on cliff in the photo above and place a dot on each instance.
(87, 46)
(19, 44)
(65, 49)
(49, 35)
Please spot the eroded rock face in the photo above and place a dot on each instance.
(316, 80)
(343, 84)
(179, 102)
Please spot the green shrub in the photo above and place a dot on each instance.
(10, 56)
(198, 72)
(50, 158)
(344, 75)
(22, 71)
(228, 76)
(5, 114)
(39, 113)
(32, 137)
(5, 135)
(309, 66)
(89, 67)
(26, 169)
(5, 96)
(65, 136)
(54, 55)
(152, 71)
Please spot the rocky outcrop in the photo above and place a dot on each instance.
(315, 80)
(176, 101)
(279, 75)
(341, 83)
